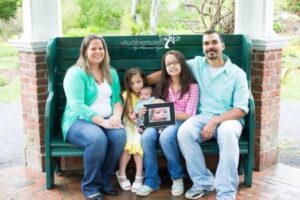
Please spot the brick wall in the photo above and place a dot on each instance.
(33, 72)
(266, 71)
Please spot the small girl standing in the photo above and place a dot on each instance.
(134, 81)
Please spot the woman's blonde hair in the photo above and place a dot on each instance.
(84, 63)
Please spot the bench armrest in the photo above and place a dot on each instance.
(250, 123)
(50, 118)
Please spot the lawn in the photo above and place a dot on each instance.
(8, 57)
(290, 82)
(9, 90)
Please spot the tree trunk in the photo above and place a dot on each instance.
(133, 9)
(154, 16)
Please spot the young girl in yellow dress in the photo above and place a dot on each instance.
(134, 81)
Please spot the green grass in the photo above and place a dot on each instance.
(290, 82)
(11, 92)
(8, 57)
(290, 87)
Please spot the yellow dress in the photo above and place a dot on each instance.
(133, 144)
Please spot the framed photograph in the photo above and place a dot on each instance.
(159, 114)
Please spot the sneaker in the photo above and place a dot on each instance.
(97, 196)
(197, 193)
(144, 190)
(177, 187)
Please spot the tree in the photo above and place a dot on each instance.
(214, 14)
(154, 13)
(8, 8)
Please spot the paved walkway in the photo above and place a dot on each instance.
(279, 182)
(289, 134)
(11, 134)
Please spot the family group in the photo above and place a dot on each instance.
(210, 96)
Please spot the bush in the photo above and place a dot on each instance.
(3, 81)
(277, 27)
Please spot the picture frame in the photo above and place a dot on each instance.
(159, 114)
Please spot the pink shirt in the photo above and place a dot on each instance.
(188, 103)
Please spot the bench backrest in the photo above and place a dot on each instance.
(128, 51)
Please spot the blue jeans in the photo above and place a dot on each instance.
(102, 150)
(168, 142)
(227, 135)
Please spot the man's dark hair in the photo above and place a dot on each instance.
(211, 31)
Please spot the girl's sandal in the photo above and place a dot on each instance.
(123, 181)
(138, 182)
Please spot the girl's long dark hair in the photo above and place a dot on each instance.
(127, 80)
(185, 77)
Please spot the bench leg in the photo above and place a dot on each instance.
(58, 166)
(241, 165)
(248, 160)
(49, 172)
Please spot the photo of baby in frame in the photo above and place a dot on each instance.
(159, 114)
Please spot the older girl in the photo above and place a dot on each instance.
(176, 85)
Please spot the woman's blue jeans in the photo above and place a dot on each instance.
(102, 150)
(168, 142)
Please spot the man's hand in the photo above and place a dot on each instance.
(209, 129)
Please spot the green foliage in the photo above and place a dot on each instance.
(70, 15)
(291, 70)
(11, 92)
(287, 5)
(8, 8)
(277, 27)
(129, 27)
(290, 86)
(3, 81)
(293, 6)
(8, 57)
(105, 15)
(12, 27)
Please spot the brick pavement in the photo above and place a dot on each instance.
(280, 182)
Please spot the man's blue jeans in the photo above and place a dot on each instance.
(102, 150)
(168, 142)
(227, 135)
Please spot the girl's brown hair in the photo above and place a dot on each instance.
(83, 60)
(185, 77)
(127, 85)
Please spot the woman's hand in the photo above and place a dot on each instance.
(115, 122)
(105, 123)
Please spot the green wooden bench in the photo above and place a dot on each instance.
(126, 52)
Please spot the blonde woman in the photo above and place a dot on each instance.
(92, 116)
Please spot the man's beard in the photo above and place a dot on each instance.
(211, 56)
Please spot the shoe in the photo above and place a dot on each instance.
(123, 181)
(197, 193)
(94, 197)
(144, 190)
(109, 190)
(177, 187)
(137, 184)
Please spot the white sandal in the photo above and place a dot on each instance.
(123, 181)
(137, 184)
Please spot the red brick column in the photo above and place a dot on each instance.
(266, 70)
(33, 74)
